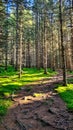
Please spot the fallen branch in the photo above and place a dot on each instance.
(36, 106)
(43, 122)
(46, 123)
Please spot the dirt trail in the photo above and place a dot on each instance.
(43, 112)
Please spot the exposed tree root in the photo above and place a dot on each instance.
(21, 125)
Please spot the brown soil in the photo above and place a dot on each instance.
(47, 111)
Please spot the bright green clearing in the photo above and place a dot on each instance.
(66, 93)
(10, 83)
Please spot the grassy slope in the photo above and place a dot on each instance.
(9, 83)
(66, 93)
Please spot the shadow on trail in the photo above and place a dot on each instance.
(39, 107)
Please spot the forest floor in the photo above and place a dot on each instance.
(41, 108)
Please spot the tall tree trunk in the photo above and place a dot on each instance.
(20, 48)
(6, 38)
(13, 50)
(28, 54)
(6, 50)
(45, 44)
(37, 37)
(71, 21)
(59, 50)
(62, 44)
(52, 42)
(17, 36)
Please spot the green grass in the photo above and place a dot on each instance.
(4, 105)
(70, 72)
(9, 83)
(66, 93)
(38, 94)
(70, 81)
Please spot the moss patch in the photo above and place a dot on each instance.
(66, 93)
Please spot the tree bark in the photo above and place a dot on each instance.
(45, 43)
(62, 45)
(17, 40)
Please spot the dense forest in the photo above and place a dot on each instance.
(36, 34)
(36, 42)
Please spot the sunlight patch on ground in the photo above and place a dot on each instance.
(66, 93)
(33, 98)
(10, 83)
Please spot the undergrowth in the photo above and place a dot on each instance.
(10, 83)
(66, 93)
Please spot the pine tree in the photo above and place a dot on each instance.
(62, 45)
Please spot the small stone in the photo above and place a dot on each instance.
(30, 126)
(25, 111)
(53, 110)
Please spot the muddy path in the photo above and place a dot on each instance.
(41, 108)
